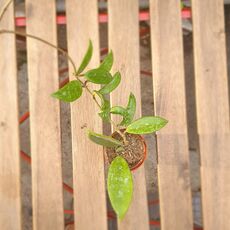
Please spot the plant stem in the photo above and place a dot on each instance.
(98, 104)
(5, 8)
(118, 131)
(90, 92)
(3, 31)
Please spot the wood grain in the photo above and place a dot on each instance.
(169, 101)
(10, 206)
(124, 41)
(88, 162)
(44, 117)
(212, 111)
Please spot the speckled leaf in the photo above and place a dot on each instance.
(130, 110)
(108, 88)
(146, 125)
(108, 61)
(86, 59)
(120, 186)
(106, 141)
(70, 92)
(98, 76)
(118, 110)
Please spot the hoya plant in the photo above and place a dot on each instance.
(125, 148)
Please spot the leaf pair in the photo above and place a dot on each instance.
(108, 88)
(116, 79)
(106, 64)
(73, 90)
(128, 112)
(144, 125)
(101, 75)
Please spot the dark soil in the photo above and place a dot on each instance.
(134, 151)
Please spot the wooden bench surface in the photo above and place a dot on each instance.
(88, 160)
(44, 117)
(10, 205)
(212, 111)
(124, 41)
(169, 97)
(90, 205)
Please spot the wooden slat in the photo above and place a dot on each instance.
(124, 41)
(44, 117)
(10, 213)
(169, 96)
(88, 162)
(212, 111)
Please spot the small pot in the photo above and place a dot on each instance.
(144, 154)
(131, 154)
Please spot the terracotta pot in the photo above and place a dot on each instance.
(144, 155)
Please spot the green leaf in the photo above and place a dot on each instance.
(130, 111)
(118, 110)
(146, 125)
(98, 76)
(103, 140)
(112, 84)
(86, 59)
(107, 62)
(105, 107)
(120, 186)
(70, 92)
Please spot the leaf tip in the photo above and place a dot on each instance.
(88, 132)
(164, 121)
(90, 44)
(131, 94)
(121, 215)
(111, 53)
(55, 95)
